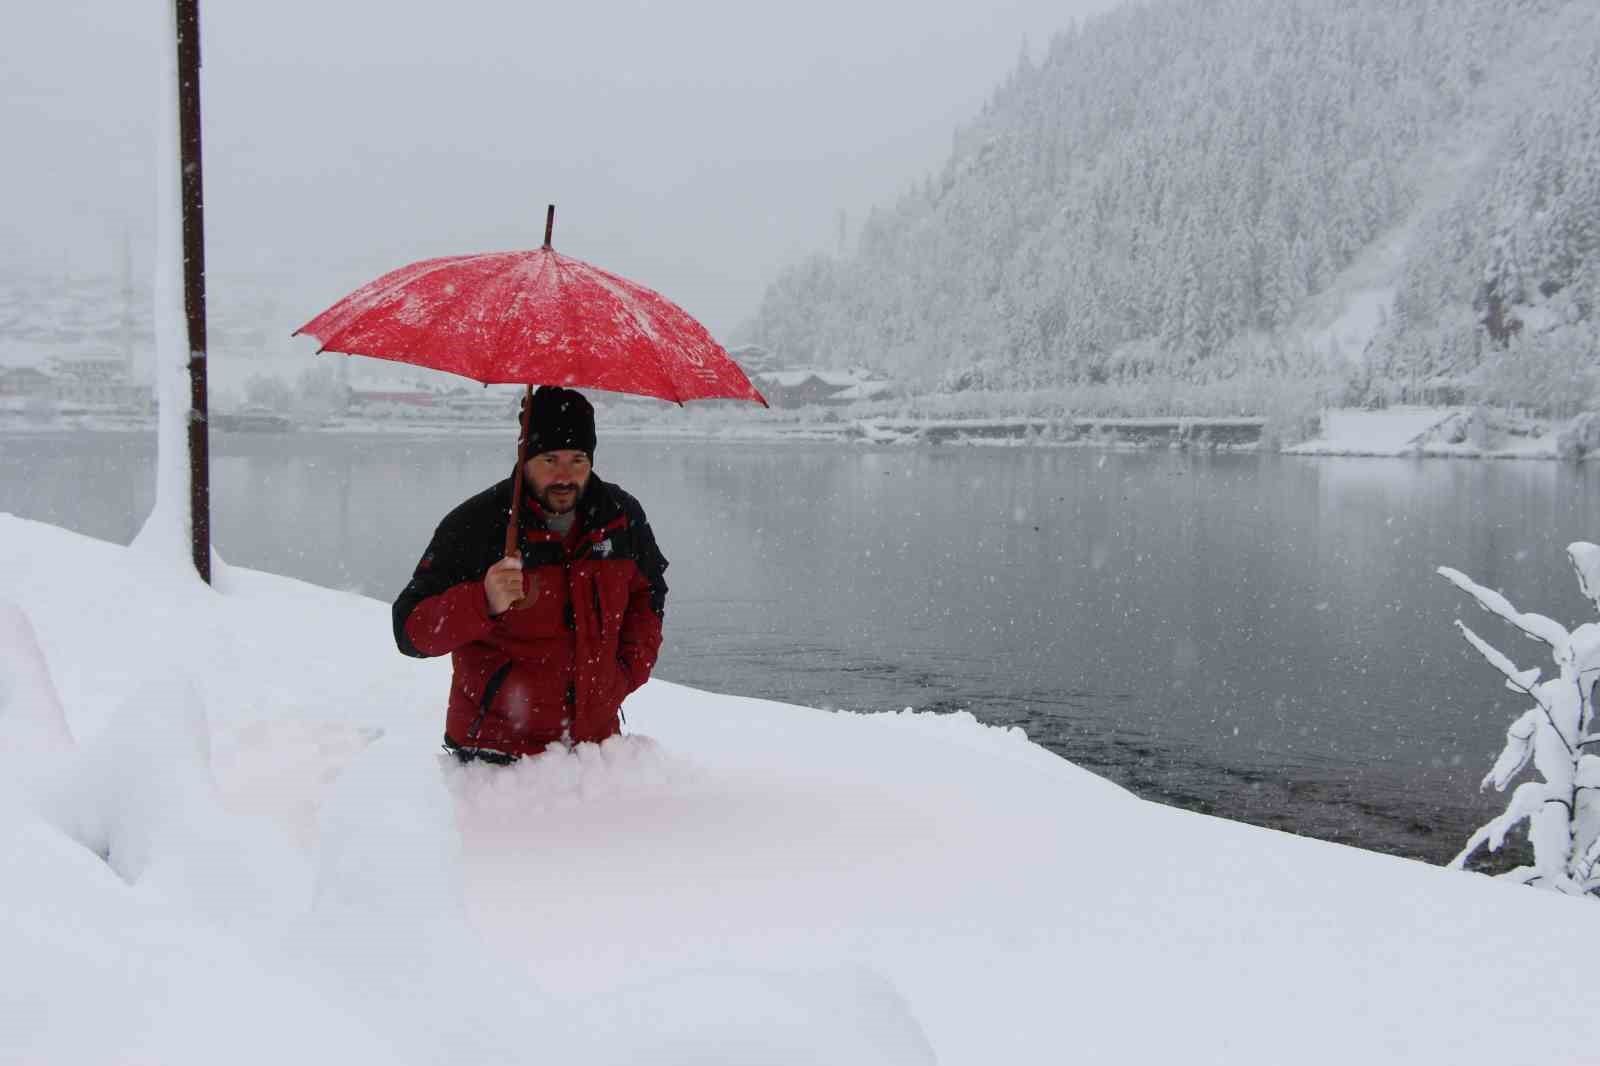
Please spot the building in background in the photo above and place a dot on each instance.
(494, 403)
(398, 403)
(22, 383)
(809, 385)
(90, 384)
(755, 359)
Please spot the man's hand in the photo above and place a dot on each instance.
(502, 584)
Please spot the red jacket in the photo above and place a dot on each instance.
(587, 636)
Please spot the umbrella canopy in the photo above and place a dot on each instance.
(533, 318)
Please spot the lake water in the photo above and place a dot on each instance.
(1260, 637)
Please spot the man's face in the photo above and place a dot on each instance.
(558, 478)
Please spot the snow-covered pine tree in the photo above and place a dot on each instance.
(1270, 144)
(1557, 734)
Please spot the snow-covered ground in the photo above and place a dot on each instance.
(1393, 431)
(228, 837)
(1429, 431)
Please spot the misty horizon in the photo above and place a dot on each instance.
(697, 151)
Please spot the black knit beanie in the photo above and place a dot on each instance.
(562, 418)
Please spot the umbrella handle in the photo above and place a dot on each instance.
(513, 523)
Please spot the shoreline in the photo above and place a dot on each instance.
(1394, 433)
(251, 820)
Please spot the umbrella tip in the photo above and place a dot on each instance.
(549, 223)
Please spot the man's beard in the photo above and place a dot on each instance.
(572, 500)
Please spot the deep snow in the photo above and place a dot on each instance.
(1424, 431)
(249, 850)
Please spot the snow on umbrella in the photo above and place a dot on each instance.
(533, 318)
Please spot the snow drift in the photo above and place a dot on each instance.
(252, 850)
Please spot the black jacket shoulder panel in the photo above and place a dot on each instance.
(465, 544)
(646, 555)
(491, 505)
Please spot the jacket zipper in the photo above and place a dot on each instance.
(490, 687)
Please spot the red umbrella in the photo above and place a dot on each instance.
(533, 318)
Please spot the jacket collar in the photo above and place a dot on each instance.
(597, 507)
(599, 515)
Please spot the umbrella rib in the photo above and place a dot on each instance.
(378, 298)
(621, 295)
(570, 326)
(562, 274)
(373, 298)
(549, 262)
(507, 321)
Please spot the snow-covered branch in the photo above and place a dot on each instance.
(1526, 799)
(1536, 626)
(1519, 680)
(1586, 561)
(1562, 808)
(1517, 752)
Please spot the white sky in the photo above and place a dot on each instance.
(695, 147)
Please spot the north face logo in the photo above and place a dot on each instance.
(603, 548)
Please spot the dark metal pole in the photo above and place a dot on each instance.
(194, 280)
(512, 525)
(549, 224)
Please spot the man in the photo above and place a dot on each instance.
(545, 646)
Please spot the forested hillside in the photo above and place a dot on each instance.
(1195, 192)
(1498, 297)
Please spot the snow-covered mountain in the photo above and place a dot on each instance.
(1366, 195)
